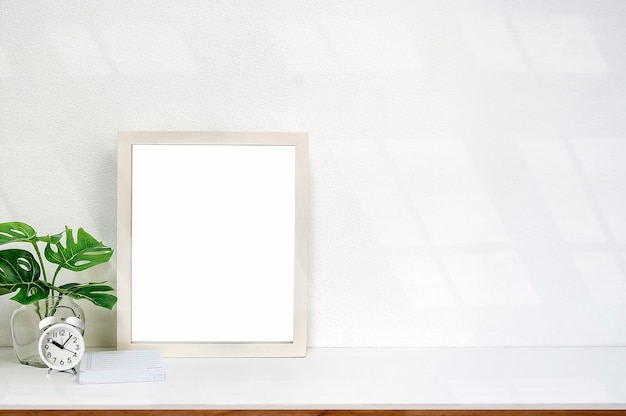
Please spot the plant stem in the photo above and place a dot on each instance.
(56, 272)
(45, 279)
(43, 270)
(38, 309)
(53, 292)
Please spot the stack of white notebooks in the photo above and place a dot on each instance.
(131, 366)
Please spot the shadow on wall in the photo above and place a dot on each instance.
(481, 148)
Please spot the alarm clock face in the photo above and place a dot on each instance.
(61, 346)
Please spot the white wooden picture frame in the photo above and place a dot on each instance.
(212, 243)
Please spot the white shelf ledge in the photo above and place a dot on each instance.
(346, 378)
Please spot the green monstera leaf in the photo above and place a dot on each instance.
(12, 232)
(19, 271)
(16, 232)
(77, 255)
(92, 292)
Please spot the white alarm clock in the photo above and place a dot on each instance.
(61, 345)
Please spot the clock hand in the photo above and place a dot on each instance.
(68, 340)
(57, 344)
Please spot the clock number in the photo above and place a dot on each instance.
(69, 359)
(49, 354)
(77, 347)
(61, 362)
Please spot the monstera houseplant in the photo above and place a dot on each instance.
(24, 274)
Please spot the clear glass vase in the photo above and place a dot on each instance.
(25, 330)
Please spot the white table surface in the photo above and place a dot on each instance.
(346, 378)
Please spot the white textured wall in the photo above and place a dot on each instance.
(468, 158)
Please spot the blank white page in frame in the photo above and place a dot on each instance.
(213, 227)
